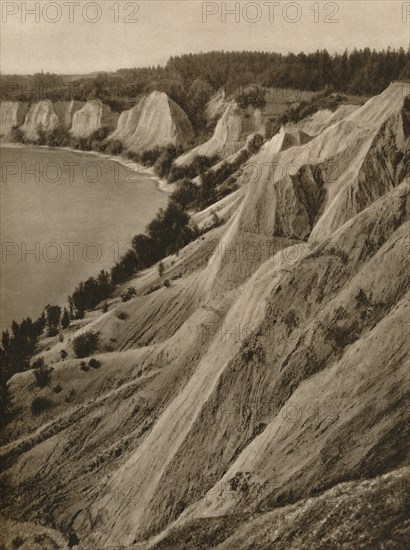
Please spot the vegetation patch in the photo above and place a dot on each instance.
(40, 404)
(121, 315)
(42, 376)
(324, 100)
(94, 363)
(86, 344)
(128, 294)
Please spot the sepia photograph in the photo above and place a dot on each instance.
(205, 275)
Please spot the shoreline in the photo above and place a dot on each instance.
(162, 184)
(151, 179)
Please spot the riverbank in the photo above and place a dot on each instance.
(162, 184)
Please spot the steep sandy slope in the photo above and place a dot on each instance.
(311, 411)
(127, 123)
(29, 536)
(156, 120)
(267, 387)
(230, 134)
(362, 514)
(40, 115)
(274, 367)
(322, 119)
(224, 208)
(91, 117)
(230, 375)
(12, 114)
(216, 105)
(336, 162)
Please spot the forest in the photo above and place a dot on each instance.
(191, 79)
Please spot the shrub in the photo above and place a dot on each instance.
(114, 147)
(121, 315)
(255, 143)
(290, 319)
(63, 354)
(186, 193)
(252, 95)
(17, 135)
(39, 362)
(70, 397)
(239, 483)
(73, 540)
(43, 376)
(83, 366)
(100, 134)
(215, 219)
(343, 336)
(17, 542)
(85, 344)
(136, 157)
(88, 294)
(58, 388)
(124, 269)
(161, 269)
(104, 308)
(81, 143)
(128, 294)
(52, 331)
(165, 160)
(148, 158)
(199, 165)
(58, 137)
(40, 404)
(167, 284)
(94, 363)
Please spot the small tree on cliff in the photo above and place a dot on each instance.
(53, 319)
(65, 319)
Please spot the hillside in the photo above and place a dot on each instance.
(260, 399)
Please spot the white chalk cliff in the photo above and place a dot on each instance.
(230, 133)
(94, 115)
(156, 120)
(12, 115)
(40, 115)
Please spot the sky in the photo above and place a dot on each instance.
(79, 37)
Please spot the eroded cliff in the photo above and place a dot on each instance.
(261, 392)
(230, 134)
(12, 115)
(156, 121)
(94, 115)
